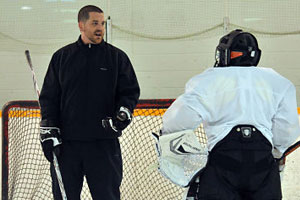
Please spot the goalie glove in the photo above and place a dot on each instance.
(181, 157)
(119, 122)
(50, 139)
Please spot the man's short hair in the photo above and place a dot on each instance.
(83, 14)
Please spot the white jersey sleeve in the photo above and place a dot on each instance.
(184, 113)
(285, 123)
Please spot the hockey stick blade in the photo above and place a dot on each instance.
(55, 161)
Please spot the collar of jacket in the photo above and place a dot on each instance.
(89, 46)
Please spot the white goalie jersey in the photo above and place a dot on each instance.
(222, 98)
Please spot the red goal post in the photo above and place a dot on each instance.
(25, 171)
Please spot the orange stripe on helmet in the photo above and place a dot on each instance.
(235, 54)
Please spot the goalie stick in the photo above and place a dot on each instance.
(55, 161)
(289, 150)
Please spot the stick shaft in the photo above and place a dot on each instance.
(55, 161)
(59, 177)
(290, 150)
(36, 87)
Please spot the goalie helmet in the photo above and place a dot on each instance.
(237, 48)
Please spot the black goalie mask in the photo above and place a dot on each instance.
(238, 48)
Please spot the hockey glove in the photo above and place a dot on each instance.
(50, 139)
(119, 122)
(123, 118)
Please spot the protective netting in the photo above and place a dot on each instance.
(44, 26)
(26, 173)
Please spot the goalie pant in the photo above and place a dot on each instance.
(241, 168)
(99, 161)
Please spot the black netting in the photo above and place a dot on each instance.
(26, 171)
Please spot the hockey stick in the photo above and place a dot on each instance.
(289, 150)
(55, 161)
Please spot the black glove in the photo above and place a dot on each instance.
(119, 122)
(50, 139)
(123, 118)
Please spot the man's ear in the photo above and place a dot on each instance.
(81, 26)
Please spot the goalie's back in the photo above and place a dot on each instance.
(219, 96)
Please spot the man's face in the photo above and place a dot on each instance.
(92, 31)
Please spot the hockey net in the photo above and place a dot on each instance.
(26, 174)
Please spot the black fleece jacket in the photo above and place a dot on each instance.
(85, 84)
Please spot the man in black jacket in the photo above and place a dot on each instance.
(88, 95)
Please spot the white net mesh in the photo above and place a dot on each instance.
(44, 26)
(27, 174)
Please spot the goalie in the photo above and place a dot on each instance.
(250, 117)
